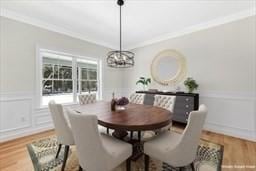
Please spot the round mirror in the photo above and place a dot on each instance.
(168, 67)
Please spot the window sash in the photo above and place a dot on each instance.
(75, 78)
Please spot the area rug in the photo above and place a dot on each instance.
(42, 153)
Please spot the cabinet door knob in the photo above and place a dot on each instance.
(187, 113)
(187, 106)
(187, 99)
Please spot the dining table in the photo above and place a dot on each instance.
(131, 118)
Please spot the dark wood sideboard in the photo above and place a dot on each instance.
(184, 103)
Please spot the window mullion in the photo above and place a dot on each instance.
(74, 78)
(79, 80)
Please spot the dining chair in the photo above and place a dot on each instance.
(167, 102)
(137, 98)
(164, 101)
(177, 150)
(87, 98)
(62, 130)
(99, 152)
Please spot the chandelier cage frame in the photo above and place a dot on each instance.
(120, 58)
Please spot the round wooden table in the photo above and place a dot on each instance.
(135, 117)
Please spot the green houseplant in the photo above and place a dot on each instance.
(144, 81)
(190, 84)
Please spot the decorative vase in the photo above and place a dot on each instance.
(145, 87)
(190, 90)
(120, 108)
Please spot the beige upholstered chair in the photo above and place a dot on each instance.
(167, 102)
(62, 129)
(87, 98)
(177, 150)
(164, 101)
(137, 98)
(97, 152)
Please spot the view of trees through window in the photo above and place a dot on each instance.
(58, 78)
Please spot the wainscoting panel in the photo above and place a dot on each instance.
(43, 119)
(229, 114)
(15, 114)
(19, 117)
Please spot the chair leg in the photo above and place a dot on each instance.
(58, 151)
(131, 135)
(128, 165)
(107, 130)
(192, 166)
(139, 135)
(80, 168)
(178, 168)
(65, 157)
(146, 162)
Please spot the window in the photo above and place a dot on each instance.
(87, 76)
(64, 76)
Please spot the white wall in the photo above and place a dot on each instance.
(18, 115)
(222, 60)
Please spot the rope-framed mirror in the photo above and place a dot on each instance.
(169, 67)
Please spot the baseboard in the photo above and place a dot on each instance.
(25, 132)
(230, 131)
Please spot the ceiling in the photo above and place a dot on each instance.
(144, 21)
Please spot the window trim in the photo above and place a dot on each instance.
(39, 77)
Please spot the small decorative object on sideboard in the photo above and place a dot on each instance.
(190, 84)
(144, 81)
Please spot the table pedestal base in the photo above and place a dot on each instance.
(137, 149)
(120, 134)
(137, 144)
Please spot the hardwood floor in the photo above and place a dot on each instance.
(237, 152)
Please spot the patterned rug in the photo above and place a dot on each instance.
(42, 153)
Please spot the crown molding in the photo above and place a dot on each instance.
(195, 28)
(33, 21)
(51, 27)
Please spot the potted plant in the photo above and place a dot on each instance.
(144, 81)
(190, 84)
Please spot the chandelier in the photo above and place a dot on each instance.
(120, 58)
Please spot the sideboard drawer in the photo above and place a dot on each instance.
(180, 118)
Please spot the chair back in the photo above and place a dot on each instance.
(87, 98)
(165, 101)
(91, 153)
(191, 135)
(137, 98)
(62, 129)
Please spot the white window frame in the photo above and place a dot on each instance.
(39, 77)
